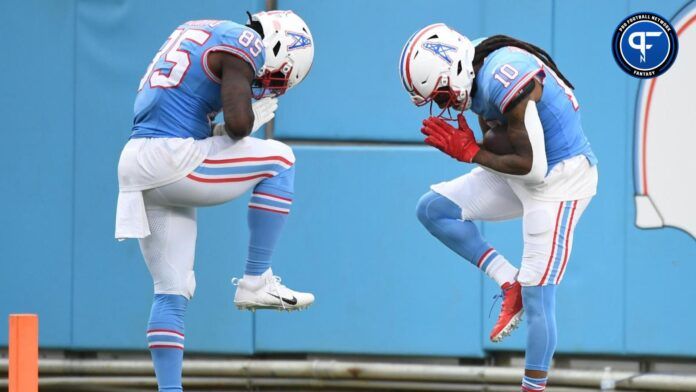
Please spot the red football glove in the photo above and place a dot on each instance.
(460, 143)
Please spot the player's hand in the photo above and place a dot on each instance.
(264, 111)
(464, 126)
(459, 143)
(219, 129)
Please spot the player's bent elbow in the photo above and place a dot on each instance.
(521, 167)
(524, 168)
(237, 129)
(537, 172)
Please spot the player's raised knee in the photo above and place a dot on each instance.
(432, 206)
(281, 184)
(422, 207)
(281, 149)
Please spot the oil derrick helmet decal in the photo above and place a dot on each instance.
(664, 164)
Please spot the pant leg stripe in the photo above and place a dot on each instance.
(248, 159)
(568, 243)
(553, 245)
(561, 241)
(229, 179)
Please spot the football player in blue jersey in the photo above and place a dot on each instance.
(177, 160)
(537, 165)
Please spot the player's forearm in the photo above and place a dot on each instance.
(237, 111)
(235, 93)
(521, 161)
(508, 164)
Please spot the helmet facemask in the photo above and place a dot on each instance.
(272, 82)
(446, 99)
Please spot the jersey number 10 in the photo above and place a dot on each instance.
(507, 73)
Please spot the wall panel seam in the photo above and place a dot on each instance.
(73, 175)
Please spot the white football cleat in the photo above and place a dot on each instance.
(268, 293)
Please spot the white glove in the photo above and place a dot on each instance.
(264, 111)
(219, 129)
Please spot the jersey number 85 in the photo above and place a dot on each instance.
(173, 54)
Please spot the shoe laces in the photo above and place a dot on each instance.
(500, 296)
(274, 282)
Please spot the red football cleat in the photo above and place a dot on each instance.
(510, 313)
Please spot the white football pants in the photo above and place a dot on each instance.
(230, 169)
(548, 223)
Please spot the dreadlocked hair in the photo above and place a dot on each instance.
(496, 42)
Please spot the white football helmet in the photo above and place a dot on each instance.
(289, 52)
(436, 65)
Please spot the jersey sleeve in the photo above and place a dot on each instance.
(511, 73)
(244, 43)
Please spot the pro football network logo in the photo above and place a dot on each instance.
(645, 45)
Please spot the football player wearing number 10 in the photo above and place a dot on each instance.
(544, 172)
(177, 160)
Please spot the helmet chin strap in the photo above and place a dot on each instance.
(451, 103)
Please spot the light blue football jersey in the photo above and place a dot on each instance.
(503, 73)
(179, 95)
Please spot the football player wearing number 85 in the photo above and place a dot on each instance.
(177, 160)
(542, 168)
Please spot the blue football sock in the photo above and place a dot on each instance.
(532, 384)
(443, 219)
(165, 338)
(540, 307)
(268, 210)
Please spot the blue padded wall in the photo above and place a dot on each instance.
(357, 48)
(383, 284)
(37, 109)
(529, 20)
